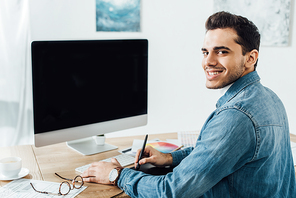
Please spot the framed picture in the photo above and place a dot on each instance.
(118, 15)
(272, 17)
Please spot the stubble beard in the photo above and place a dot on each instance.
(231, 79)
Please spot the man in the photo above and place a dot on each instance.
(244, 147)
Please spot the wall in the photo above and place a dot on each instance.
(178, 99)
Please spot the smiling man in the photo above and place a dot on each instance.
(244, 146)
(224, 61)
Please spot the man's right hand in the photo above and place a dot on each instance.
(154, 157)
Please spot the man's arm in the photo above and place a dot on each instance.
(226, 144)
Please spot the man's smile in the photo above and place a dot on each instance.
(213, 73)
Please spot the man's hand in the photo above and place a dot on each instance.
(154, 157)
(98, 172)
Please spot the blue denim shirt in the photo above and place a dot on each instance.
(243, 151)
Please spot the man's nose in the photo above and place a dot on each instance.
(211, 60)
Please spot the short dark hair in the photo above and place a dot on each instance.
(248, 33)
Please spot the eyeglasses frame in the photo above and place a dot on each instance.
(73, 181)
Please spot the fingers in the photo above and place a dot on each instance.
(90, 179)
(156, 157)
(90, 172)
(115, 161)
(88, 176)
(98, 172)
(148, 152)
(146, 160)
(137, 155)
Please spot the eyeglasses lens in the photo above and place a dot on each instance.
(65, 188)
(77, 182)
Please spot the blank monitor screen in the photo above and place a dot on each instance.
(78, 83)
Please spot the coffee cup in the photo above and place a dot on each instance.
(99, 139)
(10, 166)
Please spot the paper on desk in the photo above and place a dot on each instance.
(138, 144)
(21, 188)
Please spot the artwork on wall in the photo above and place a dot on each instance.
(118, 15)
(272, 17)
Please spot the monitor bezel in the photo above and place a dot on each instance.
(77, 133)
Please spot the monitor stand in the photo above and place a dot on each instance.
(88, 146)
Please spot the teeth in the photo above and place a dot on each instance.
(213, 73)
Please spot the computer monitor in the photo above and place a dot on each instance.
(86, 88)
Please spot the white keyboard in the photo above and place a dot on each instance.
(123, 159)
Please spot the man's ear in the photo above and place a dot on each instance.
(252, 57)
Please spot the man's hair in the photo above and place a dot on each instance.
(248, 33)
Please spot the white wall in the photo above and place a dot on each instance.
(178, 99)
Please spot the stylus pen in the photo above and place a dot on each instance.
(178, 148)
(142, 152)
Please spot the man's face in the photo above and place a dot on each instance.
(223, 61)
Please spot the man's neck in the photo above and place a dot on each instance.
(224, 89)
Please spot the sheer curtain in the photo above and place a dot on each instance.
(16, 125)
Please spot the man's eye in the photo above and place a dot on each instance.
(205, 53)
(222, 52)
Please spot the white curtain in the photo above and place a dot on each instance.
(16, 120)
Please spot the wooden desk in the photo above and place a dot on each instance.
(43, 162)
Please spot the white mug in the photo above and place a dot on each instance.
(10, 166)
(99, 139)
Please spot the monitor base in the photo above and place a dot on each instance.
(88, 146)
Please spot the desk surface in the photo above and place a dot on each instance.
(43, 162)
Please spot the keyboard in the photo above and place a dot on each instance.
(123, 159)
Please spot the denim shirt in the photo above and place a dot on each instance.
(243, 151)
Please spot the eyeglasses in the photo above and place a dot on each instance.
(65, 186)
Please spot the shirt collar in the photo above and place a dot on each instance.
(224, 89)
(238, 86)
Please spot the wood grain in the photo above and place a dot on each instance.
(63, 160)
(28, 160)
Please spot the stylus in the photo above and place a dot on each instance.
(142, 152)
